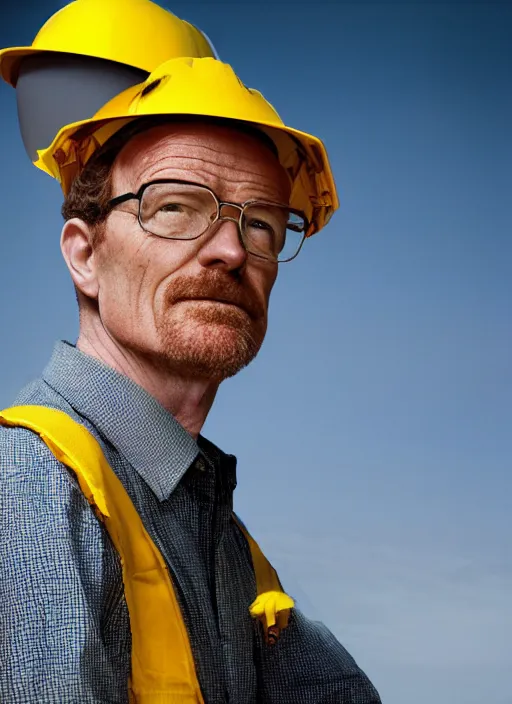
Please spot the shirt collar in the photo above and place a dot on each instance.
(147, 435)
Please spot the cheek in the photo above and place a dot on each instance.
(133, 273)
(263, 277)
(123, 280)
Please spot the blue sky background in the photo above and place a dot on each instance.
(373, 432)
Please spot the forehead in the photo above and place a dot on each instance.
(235, 164)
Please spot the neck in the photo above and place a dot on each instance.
(189, 400)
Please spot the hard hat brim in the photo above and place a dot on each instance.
(312, 146)
(10, 60)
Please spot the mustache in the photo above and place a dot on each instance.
(217, 286)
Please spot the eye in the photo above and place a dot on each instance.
(172, 208)
(260, 225)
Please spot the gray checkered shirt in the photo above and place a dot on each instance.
(64, 625)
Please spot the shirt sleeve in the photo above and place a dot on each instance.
(307, 665)
(64, 626)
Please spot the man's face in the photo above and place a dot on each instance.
(198, 307)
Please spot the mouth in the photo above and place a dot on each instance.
(220, 301)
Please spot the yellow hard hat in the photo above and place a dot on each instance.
(201, 87)
(88, 52)
(137, 33)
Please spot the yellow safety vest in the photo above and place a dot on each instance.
(162, 664)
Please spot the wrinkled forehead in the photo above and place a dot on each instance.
(215, 153)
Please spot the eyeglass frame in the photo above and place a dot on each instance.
(125, 197)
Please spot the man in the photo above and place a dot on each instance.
(176, 219)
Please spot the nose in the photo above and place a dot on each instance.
(224, 248)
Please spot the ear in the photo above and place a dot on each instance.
(76, 246)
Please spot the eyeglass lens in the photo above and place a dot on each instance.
(182, 211)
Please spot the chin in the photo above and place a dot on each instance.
(214, 349)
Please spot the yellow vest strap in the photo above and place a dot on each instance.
(162, 663)
(163, 669)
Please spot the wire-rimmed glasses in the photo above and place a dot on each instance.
(183, 210)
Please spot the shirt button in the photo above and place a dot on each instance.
(201, 464)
